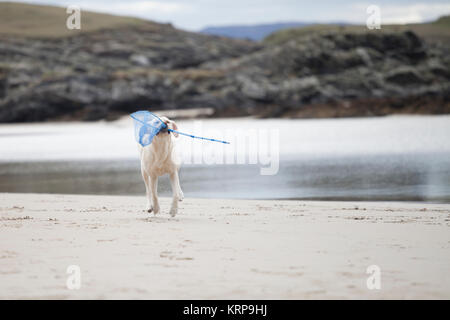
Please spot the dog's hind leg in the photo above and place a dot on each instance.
(175, 183)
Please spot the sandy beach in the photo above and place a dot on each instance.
(221, 249)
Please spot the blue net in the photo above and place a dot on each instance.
(146, 126)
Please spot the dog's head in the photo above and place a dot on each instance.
(170, 125)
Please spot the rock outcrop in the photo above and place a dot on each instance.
(103, 74)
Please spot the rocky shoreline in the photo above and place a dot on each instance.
(108, 73)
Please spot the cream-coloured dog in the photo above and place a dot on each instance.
(157, 159)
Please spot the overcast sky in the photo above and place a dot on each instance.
(196, 14)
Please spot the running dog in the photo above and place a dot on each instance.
(157, 159)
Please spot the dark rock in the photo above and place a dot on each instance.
(3, 82)
(405, 76)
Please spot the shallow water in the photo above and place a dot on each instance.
(393, 158)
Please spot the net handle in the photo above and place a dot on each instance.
(196, 137)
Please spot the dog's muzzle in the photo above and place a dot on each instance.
(166, 129)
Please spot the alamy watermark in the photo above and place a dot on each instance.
(374, 19)
(74, 19)
(373, 282)
(73, 281)
(253, 146)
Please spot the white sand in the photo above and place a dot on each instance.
(221, 249)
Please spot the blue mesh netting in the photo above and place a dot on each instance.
(146, 126)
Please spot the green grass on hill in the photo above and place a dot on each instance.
(438, 30)
(37, 21)
(442, 21)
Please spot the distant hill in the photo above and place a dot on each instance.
(437, 30)
(252, 32)
(443, 21)
(34, 21)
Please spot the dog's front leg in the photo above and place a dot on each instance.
(148, 192)
(175, 183)
(154, 190)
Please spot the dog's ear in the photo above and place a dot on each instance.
(172, 125)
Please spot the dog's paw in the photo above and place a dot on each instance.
(150, 209)
(155, 209)
(173, 212)
(180, 196)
